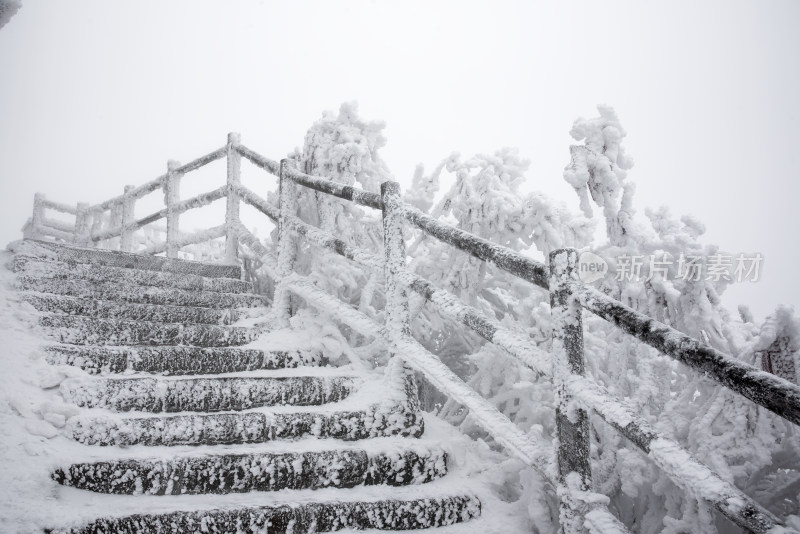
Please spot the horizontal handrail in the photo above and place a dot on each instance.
(523, 445)
(152, 185)
(57, 206)
(765, 389)
(326, 240)
(272, 167)
(257, 202)
(600, 521)
(136, 193)
(515, 344)
(58, 225)
(346, 192)
(202, 161)
(190, 239)
(508, 260)
(199, 201)
(55, 232)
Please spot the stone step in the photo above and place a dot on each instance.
(179, 360)
(258, 426)
(123, 292)
(387, 513)
(239, 473)
(44, 268)
(212, 394)
(129, 311)
(113, 258)
(79, 330)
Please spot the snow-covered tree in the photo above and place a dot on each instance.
(343, 148)
(728, 432)
(8, 8)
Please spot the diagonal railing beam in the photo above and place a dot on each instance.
(765, 389)
(685, 470)
(508, 260)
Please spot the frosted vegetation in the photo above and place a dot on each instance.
(746, 445)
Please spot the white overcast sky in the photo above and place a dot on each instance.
(97, 94)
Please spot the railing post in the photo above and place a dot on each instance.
(126, 239)
(81, 235)
(397, 315)
(394, 249)
(97, 225)
(287, 242)
(35, 230)
(572, 424)
(116, 224)
(232, 208)
(172, 196)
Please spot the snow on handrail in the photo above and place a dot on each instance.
(189, 239)
(152, 185)
(201, 161)
(257, 202)
(765, 389)
(514, 343)
(600, 521)
(56, 206)
(55, 232)
(58, 225)
(528, 447)
(509, 260)
(272, 167)
(269, 261)
(135, 193)
(326, 240)
(347, 192)
(181, 207)
(685, 470)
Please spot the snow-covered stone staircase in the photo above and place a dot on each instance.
(184, 428)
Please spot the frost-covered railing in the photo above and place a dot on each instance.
(576, 394)
(112, 224)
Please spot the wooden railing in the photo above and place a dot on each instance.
(575, 394)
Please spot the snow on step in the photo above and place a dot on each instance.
(388, 513)
(124, 292)
(79, 330)
(43, 268)
(258, 426)
(237, 473)
(129, 311)
(113, 258)
(179, 360)
(206, 394)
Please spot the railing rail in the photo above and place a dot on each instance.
(576, 394)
